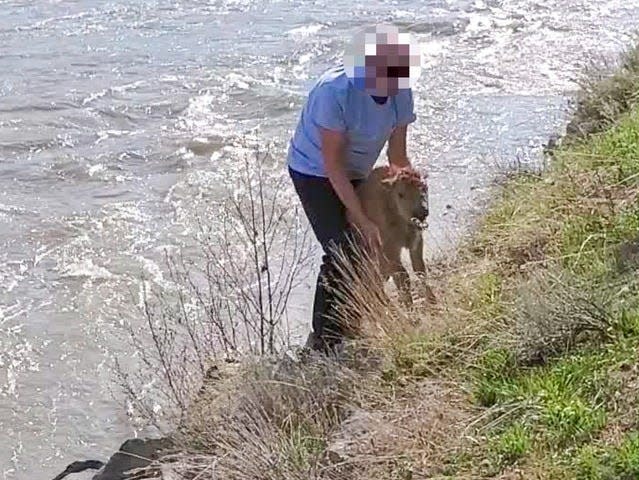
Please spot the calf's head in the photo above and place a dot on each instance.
(408, 195)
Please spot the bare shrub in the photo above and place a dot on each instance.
(556, 311)
(608, 90)
(227, 299)
(255, 254)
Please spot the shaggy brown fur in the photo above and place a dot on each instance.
(397, 201)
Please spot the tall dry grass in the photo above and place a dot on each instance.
(305, 415)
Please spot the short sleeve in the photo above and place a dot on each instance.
(405, 108)
(326, 110)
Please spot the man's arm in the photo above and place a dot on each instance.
(397, 155)
(333, 145)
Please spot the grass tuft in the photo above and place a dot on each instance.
(608, 90)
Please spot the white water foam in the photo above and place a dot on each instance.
(305, 31)
(17, 355)
(86, 269)
(203, 118)
(95, 169)
(128, 86)
(238, 80)
(94, 96)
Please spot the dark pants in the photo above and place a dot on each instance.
(327, 216)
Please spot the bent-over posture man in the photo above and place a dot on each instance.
(352, 111)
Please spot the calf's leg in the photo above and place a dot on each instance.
(417, 259)
(400, 277)
(417, 253)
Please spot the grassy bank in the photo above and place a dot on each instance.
(526, 368)
(545, 325)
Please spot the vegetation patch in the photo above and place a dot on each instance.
(527, 367)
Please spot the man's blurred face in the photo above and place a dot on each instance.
(382, 61)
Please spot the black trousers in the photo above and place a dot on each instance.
(327, 216)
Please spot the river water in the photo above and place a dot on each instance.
(103, 103)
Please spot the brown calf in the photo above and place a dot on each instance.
(397, 201)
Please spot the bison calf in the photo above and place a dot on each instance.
(397, 201)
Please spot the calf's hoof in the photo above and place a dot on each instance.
(429, 295)
(406, 299)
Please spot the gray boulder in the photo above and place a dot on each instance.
(134, 453)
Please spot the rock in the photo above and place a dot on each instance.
(80, 466)
(553, 143)
(134, 453)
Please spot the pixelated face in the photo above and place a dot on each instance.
(382, 60)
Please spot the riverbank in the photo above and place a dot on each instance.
(526, 368)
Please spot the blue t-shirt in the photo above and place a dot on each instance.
(336, 104)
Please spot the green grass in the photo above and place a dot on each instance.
(619, 462)
(553, 415)
(423, 355)
(620, 143)
(512, 444)
(485, 301)
(627, 322)
(494, 377)
(577, 208)
(550, 412)
(542, 273)
(559, 402)
(301, 446)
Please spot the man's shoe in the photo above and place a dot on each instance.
(314, 342)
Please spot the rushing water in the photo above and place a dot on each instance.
(102, 106)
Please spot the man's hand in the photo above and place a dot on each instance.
(367, 229)
(416, 175)
(371, 235)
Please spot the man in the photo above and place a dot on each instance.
(350, 114)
